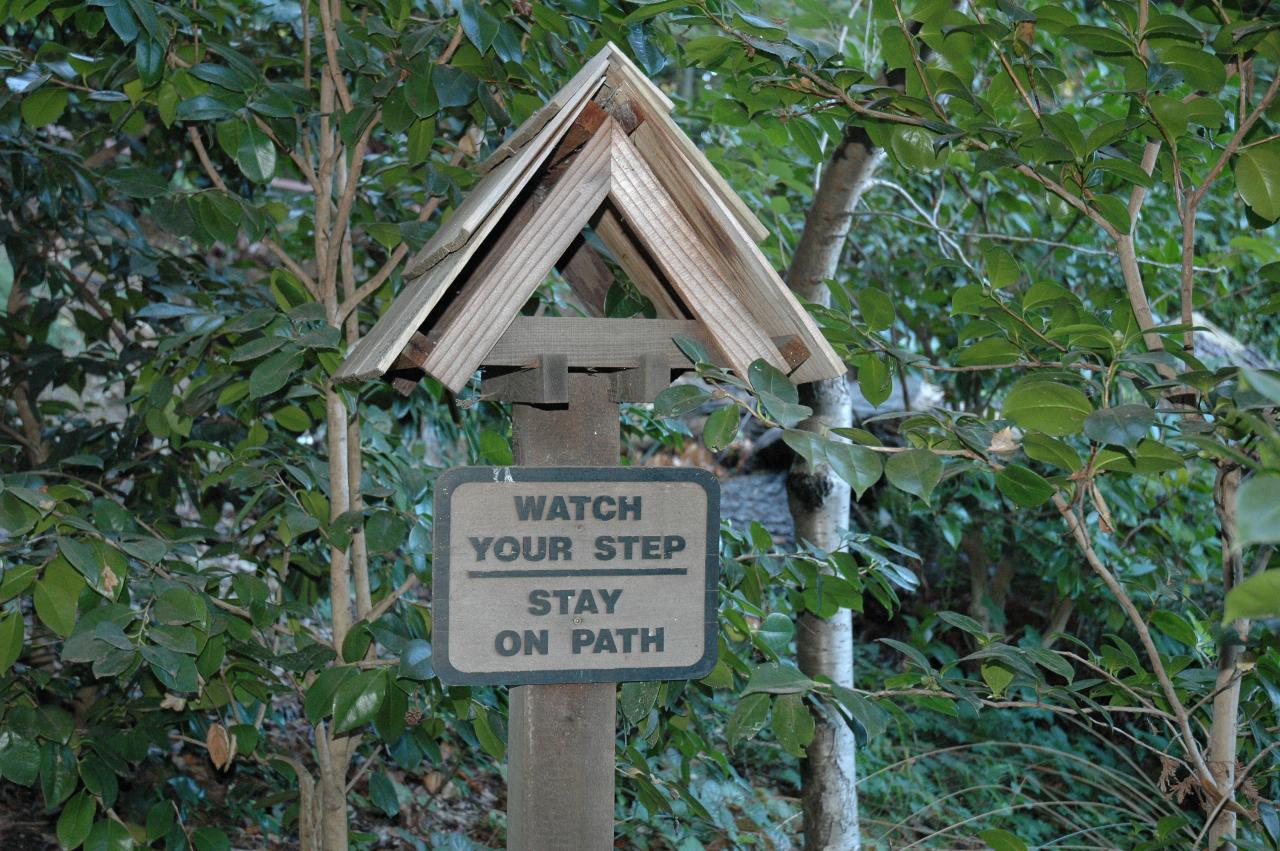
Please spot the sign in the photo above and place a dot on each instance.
(574, 574)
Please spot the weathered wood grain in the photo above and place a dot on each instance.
(591, 342)
(434, 268)
(588, 275)
(544, 384)
(631, 258)
(657, 108)
(686, 260)
(561, 738)
(747, 270)
(495, 294)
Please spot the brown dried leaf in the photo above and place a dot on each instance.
(220, 746)
(172, 701)
(1004, 442)
(432, 781)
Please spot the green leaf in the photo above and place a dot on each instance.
(913, 148)
(108, 835)
(44, 106)
(793, 725)
(357, 641)
(1003, 840)
(210, 839)
(56, 597)
(721, 427)
(478, 23)
(318, 703)
(1023, 486)
(76, 820)
(420, 93)
(256, 154)
(859, 466)
(385, 531)
(997, 678)
(494, 448)
(876, 308)
(693, 349)
(148, 55)
(1257, 179)
(382, 793)
(1002, 269)
(777, 394)
(179, 606)
(776, 631)
(872, 718)
(16, 516)
(57, 773)
(1201, 69)
(916, 471)
(19, 758)
(1047, 406)
(1258, 510)
(488, 737)
(1122, 425)
(138, 182)
(11, 629)
(636, 699)
(221, 75)
(201, 108)
(357, 700)
(679, 399)
(747, 719)
(874, 379)
(272, 374)
(292, 418)
(453, 87)
(768, 379)
(777, 678)
(1050, 450)
(1256, 597)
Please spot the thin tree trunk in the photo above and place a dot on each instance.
(819, 502)
(1226, 703)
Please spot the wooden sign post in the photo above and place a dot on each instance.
(601, 169)
(560, 739)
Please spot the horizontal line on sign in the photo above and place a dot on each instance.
(592, 571)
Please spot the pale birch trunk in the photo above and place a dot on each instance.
(819, 502)
(1226, 702)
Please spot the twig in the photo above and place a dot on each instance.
(1189, 741)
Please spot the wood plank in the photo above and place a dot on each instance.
(495, 294)
(631, 258)
(688, 263)
(528, 131)
(375, 352)
(545, 384)
(561, 738)
(657, 107)
(642, 383)
(486, 197)
(588, 275)
(597, 343)
(752, 276)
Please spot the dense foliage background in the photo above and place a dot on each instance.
(1066, 461)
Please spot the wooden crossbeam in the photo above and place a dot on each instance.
(589, 342)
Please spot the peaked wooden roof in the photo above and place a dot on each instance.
(605, 152)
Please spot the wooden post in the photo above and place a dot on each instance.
(560, 743)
